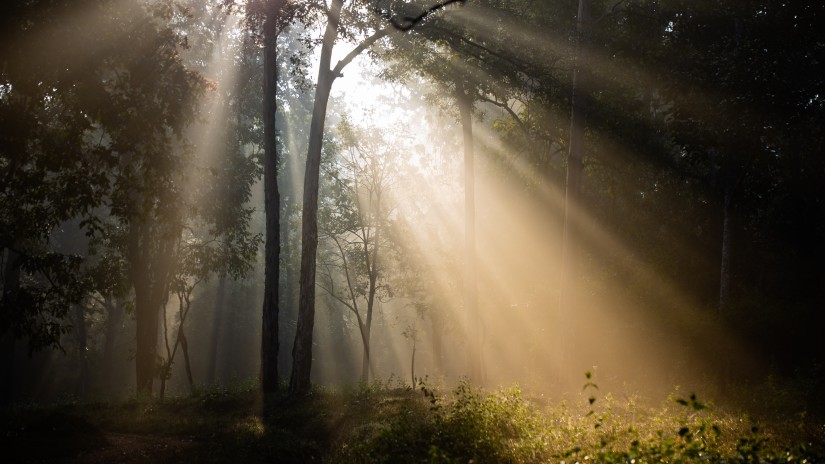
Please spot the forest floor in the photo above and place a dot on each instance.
(383, 424)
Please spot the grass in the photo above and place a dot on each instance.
(383, 423)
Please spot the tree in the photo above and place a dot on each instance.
(572, 202)
(355, 219)
(111, 146)
(163, 198)
(272, 199)
(271, 17)
(51, 169)
(302, 349)
(464, 99)
(225, 248)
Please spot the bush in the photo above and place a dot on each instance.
(468, 426)
(503, 427)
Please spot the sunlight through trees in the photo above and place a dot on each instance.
(469, 193)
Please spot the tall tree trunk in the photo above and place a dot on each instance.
(412, 365)
(727, 239)
(474, 355)
(438, 342)
(11, 286)
(82, 386)
(272, 203)
(147, 313)
(114, 317)
(365, 361)
(151, 255)
(567, 290)
(7, 343)
(217, 330)
(299, 381)
(230, 359)
(372, 269)
(289, 293)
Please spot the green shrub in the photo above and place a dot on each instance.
(470, 425)
(467, 426)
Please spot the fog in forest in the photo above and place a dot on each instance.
(646, 262)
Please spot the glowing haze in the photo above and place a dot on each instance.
(518, 208)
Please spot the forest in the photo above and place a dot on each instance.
(412, 231)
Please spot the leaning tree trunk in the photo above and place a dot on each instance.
(474, 355)
(302, 349)
(299, 381)
(572, 199)
(184, 346)
(272, 205)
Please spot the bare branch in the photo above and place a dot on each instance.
(408, 22)
(332, 293)
(367, 43)
(509, 110)
(346, 273)
(610, 12)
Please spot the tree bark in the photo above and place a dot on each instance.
(437, 340)
(272, 205)
(217, 330)
(82, 386)
(372, 268)
(184, 346)
(7, 387)
(572, 198)
(412, 365)
(727, 240)
(365, 361)
(11, 286)
(299, 381)
(146, 340)
(151, 254)
(114, 317)
(474, 355)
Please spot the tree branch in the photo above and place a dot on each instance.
(611, 12)
(367, 43)
(331, 292)
(346, 273)
(408, 22)
(509, 110)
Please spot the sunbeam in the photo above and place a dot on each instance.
(412, 231)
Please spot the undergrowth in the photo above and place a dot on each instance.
(469, 425)
(386, 422)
